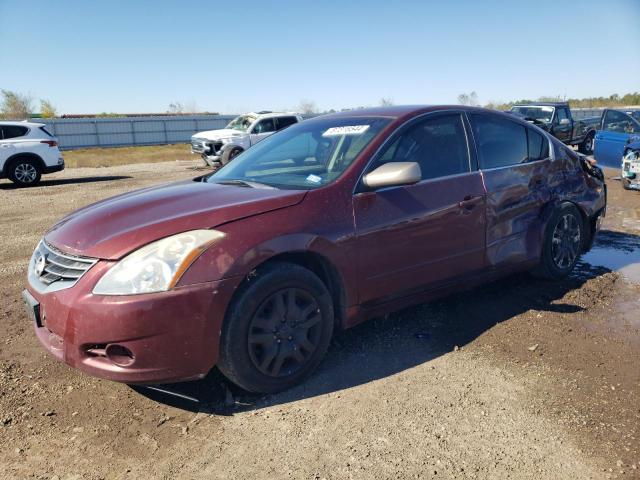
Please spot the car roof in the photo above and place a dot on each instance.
(22, 124)
(265, 114)
(404, 111)
(542, 104)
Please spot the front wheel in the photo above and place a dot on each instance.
(24, 173)
(229, 155)
(626, 183)
(562, 244)
(277, 330)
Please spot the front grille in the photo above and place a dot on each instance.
(50, 265)
(197, 145)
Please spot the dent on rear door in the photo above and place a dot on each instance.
(516, 196)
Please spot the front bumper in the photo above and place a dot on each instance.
(153, 338)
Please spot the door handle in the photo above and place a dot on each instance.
(468, 202)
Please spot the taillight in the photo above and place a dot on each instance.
(51, 143)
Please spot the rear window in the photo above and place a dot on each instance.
(13, 131)
(46, 131)
(538, 145)
(284, 122)
(500, 142)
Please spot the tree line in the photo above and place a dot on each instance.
(615, 100)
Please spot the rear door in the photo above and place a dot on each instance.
(9, 136)
(284, 122)
(514, 161)
(420, 236)
(617, 129)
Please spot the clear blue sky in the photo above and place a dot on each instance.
(233, 56)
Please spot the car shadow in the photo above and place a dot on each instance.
(68, 181)
(385, 346)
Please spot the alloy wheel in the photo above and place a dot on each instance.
(565, 242)
(25, 173)
(284, 332)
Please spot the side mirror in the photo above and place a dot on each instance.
(393, 174)
(564, 121)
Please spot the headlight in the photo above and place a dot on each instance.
(156, 267)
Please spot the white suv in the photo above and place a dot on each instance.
(221, 146)
(27, 150)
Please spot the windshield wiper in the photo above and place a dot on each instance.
(246, 183)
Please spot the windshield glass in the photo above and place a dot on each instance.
(304, 156)
(242, 123)
(542, 114)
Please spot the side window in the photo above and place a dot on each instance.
(13, 131)
(500, 142)
(618, 122)
(284, 122)
(562, 114)
(538, 145)
(265, 126)
(438, 145)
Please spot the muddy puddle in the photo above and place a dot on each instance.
(618, 252)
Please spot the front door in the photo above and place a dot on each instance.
(562, 125)
(617, 129)
(420, 236)
(262, 130)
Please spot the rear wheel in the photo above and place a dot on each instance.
(586, 146)
(230, 154)
(24, 172)
(277, 330)
(626, 183)
(562, 245)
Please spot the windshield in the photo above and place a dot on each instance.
(242, 123)
(304, 156)
(542, 114)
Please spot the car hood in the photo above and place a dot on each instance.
(219, 134)
(114, 227)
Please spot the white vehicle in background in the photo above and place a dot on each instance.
(27, 151)
(223, 145)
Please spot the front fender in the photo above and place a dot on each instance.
(234, 258)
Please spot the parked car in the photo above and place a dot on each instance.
(556, 118)
(631, 166)
(617, 130)
(319, 227)
(27, 151)
(223, 145)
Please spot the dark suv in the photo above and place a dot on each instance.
(318, 227)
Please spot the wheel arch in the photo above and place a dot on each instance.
(20, 156)
(318, 264)
(589, 225)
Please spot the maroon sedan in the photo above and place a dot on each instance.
(319, 227)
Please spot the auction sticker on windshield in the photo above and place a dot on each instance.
(346, 130)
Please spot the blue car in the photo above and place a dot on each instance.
(618, 129)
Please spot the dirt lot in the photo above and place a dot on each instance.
(520, 379)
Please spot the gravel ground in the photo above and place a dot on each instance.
(519, 379)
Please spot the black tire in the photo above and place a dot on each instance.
(229, 155)
(24, 172)
(626, 183)
(268, 342)
(563, 243)
(586, 147)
